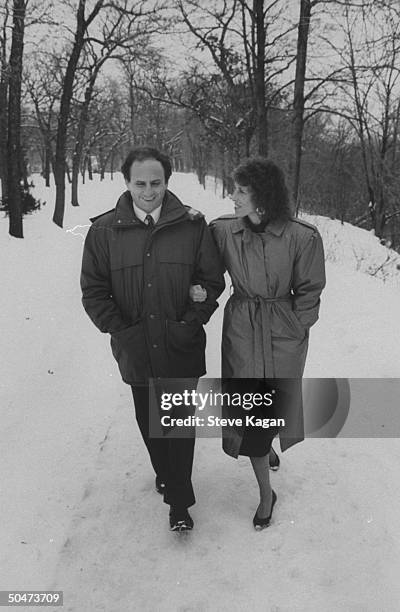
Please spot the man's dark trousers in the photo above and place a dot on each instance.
(172, 454)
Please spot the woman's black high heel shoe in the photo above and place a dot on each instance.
(262, 523)
(274, 461)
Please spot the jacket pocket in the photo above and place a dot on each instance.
(303, 331)
(186, 344)
(130, 350)
(290, 325)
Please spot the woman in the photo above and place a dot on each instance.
(276, 264)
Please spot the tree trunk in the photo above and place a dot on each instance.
(3, 107)
(132, 109)
(24, 169)
(68, 173)
(100, 160)
(259, 79)
(80, 137)
(362, 126)
(3, 137)
(83, 170)
(60, 161)
(298, 101)
(103, 169)
(14, 121)
(89, 166)
(379, 222)
(74, 184)
(47, 158)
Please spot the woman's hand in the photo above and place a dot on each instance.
(197, 293)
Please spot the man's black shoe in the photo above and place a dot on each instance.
(180, 519)
(160, 485)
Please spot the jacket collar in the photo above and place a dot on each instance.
(274, 227)
(172, 210)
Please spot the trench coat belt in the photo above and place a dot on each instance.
(264, 305)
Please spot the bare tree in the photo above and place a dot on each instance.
(246, 44)
(120, 34)
(108, 129)
(43, 84)
(373, 62)
(298, 98)
(82, 25)
(123, 23)
(14, 170)
(4, 73)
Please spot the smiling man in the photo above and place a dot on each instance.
(139, 262)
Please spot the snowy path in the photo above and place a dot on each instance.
(78, 508)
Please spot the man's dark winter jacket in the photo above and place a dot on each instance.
(135, 282)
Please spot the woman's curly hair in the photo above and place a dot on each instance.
(267, 186)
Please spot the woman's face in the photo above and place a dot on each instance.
(243, 200)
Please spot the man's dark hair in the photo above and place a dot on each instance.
(141, 154)
(267, 186)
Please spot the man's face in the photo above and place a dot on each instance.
(147, 184)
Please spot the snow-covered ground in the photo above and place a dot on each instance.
(78, 508)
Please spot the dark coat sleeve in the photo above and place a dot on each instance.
(96, 285)
(308, 279)
(209, 274)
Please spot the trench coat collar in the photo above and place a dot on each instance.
(275, 227)
(172, 210)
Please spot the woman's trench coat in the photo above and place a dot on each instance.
(277, 278)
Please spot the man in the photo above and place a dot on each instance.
(139, 262)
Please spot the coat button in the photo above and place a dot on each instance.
(149, 284)
(155, 345)
(152, 316)
(147, 254)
